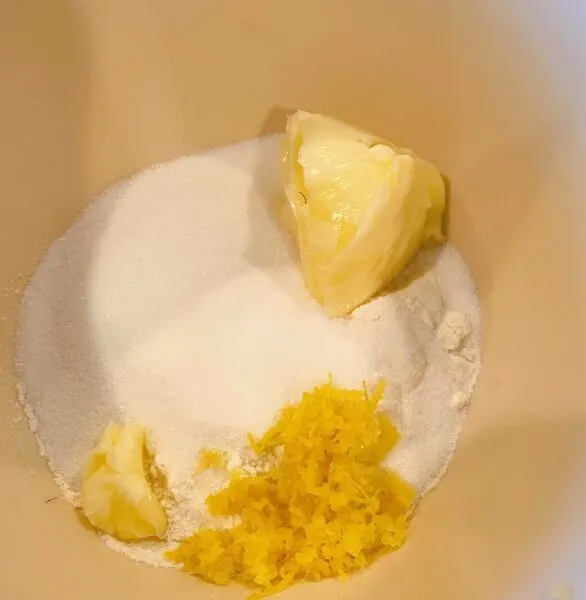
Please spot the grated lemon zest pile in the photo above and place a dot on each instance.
(326, 509)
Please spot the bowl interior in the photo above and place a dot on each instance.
(97, 91)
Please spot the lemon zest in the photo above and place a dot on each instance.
(326, 509)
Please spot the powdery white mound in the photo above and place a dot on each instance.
(176, 301)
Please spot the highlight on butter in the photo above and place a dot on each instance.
(117, 496)
(362, 208)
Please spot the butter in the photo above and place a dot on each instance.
(116, 495)
(362, 208)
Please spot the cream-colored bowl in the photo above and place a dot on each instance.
(492, 92)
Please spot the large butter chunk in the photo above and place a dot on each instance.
(116, 496)
(362, 208)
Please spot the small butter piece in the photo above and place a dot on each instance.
(116, 495)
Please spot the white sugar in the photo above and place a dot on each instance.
(176, 301)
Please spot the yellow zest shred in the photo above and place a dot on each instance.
(211, 459)
(327, 507)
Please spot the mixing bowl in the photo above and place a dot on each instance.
(493, 93)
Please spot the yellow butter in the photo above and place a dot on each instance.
(116, 495)
(362, 207)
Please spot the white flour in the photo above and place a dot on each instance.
(176, 301)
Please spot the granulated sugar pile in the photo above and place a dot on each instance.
(176, 301)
